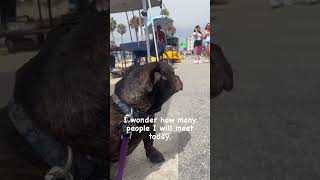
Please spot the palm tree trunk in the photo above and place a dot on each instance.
(136, 29)
(140, 24)
(129, 26)
(137, 34)
(121, 38)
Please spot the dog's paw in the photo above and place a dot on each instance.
(154, 155)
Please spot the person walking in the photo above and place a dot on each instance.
(197, 34)
(206, 42)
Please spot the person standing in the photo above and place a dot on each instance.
(160, 34)
(206, 41)
(161, 39)
(197, 44)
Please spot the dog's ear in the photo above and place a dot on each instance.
(227, 69)
(222, 72)
(152, 78)
(157, 77)
(228, 76)
(162, 72)
(162, 84)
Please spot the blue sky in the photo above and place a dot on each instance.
(185, 13)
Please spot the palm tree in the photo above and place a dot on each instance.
(113, 26)
(135, 24)
(165, 12)
(121, 30)
(129, 26)
(141, 23)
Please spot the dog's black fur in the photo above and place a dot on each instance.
(145, 88)
(64, 90)
(222, 73)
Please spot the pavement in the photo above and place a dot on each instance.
(268, 128)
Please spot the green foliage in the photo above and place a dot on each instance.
(113, 24)
(165, 12)
(122, 29)
(135, 22)
(170, 29)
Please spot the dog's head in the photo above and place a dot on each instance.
(222, 72)
(147, 87)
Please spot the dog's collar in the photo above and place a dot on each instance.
(50, 150)
(126, 109)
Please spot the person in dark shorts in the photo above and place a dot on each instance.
(197, 34)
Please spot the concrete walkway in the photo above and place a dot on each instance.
(268, 128)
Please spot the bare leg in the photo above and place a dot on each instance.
(208, 51)
(200, 53)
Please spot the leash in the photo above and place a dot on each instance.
(51, 150)
(123, 155)
(125, 130)
(125, 135)
(58, 172)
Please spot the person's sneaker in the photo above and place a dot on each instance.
(196, 62)
(207, 61)
(199, 61)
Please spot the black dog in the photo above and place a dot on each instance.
(222, 74)
(144, 89)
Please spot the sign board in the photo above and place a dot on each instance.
(183, 44)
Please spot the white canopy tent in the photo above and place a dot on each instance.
(117, 6)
